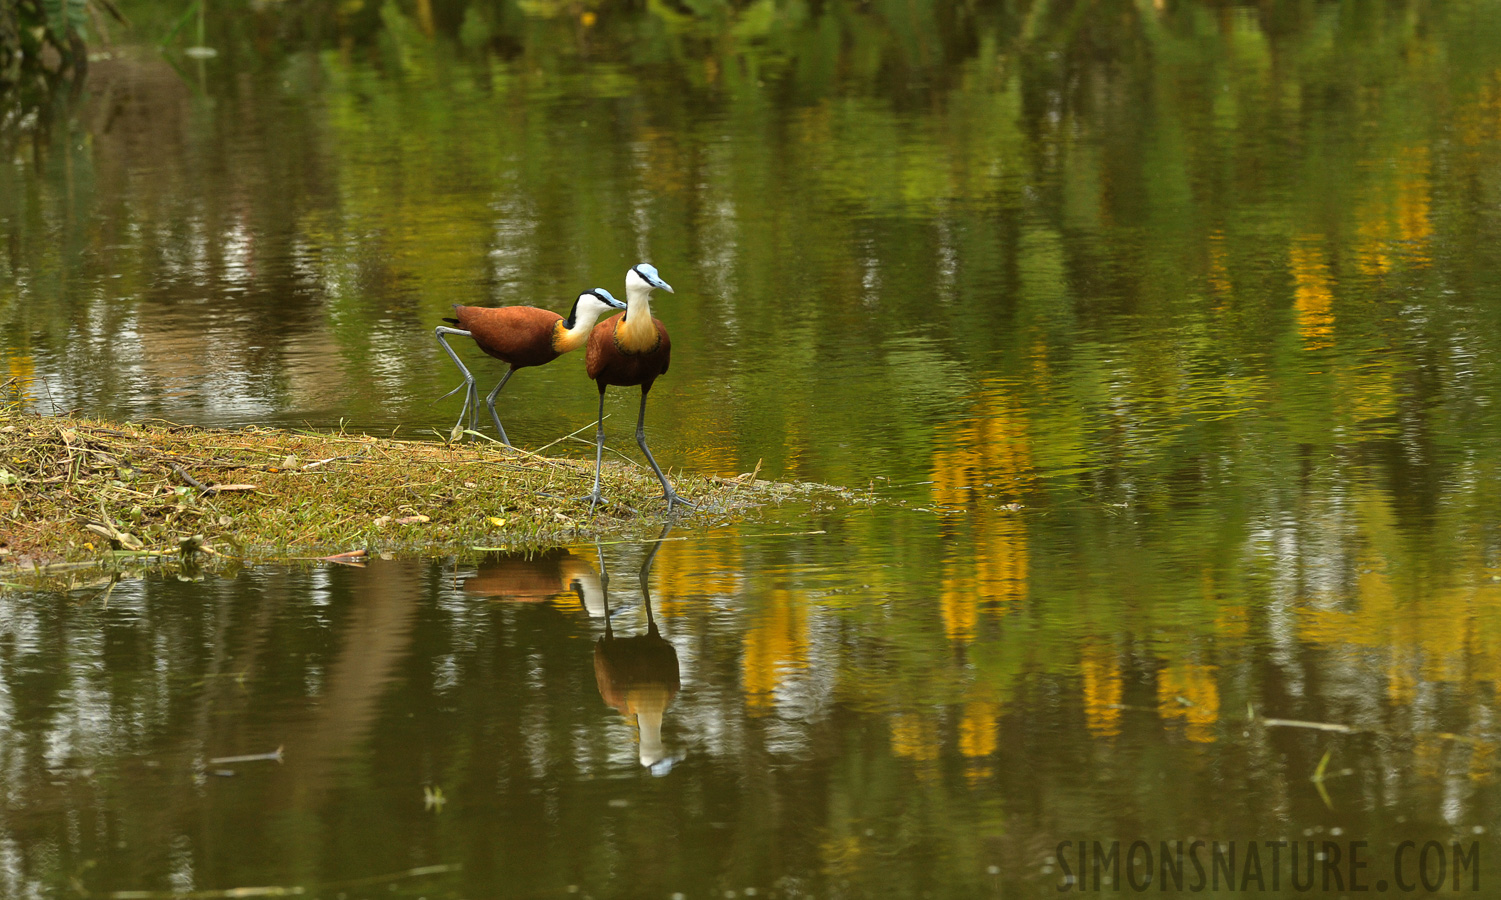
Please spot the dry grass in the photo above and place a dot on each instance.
(76, 490)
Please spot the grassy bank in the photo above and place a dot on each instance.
(75, 489)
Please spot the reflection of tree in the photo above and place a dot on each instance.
(1189, 692)
(1313, 298)
(1395, 223)
(1102, 691)
(979, 736)
(170, 683)
(914, 735)
(376, 639)
(1430, 627)
(687, 569)
(776, 645)
(20, 376)
(380, 144)
(984, 459)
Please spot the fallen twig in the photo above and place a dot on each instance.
(1316, 726)
(182, 473)
(565, 437)
(344, 557)
(273, 756)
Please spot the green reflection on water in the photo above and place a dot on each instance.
(1174, 329)
(1143, 227)
(829, 714)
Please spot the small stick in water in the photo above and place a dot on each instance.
(1316, 726)
(250, 757)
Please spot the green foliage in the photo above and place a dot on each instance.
(66, 19)
(28, 27)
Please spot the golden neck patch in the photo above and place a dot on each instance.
(565, 341)
(638, 333)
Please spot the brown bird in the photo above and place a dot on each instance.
(522, 336)
(626, 350)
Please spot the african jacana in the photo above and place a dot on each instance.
(521, 336)
(629, 349)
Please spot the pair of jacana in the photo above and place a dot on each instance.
(625, 350)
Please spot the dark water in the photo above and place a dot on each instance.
(1170, 332)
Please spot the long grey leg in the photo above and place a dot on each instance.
(669, 494)
(651, 623)
(490, 402)
(471, 393)
(599, 452)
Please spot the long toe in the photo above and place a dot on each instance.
(674, 500)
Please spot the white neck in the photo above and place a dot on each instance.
(585, 314)
(637, 297)
(584, 318)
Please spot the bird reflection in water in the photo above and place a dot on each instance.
(639, 675)
(537, 577)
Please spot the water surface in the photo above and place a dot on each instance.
(1165, 335)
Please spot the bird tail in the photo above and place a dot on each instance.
(450, 321)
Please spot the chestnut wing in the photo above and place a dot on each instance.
(519, 335)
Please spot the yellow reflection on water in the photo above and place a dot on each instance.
(914, 736)
(1367, 393)
(1313, 297)
(1427, 622)
(978, 737)
(1433, 625)
(1478, 119)
(958, 603)
(1188, 692)
(21, 368)
(1396, 221)
(977, 728)
(776, 643)
(977, 464)
(1103, 689)
(696, 568)
(1431, 635)
(1415, 203)
(1232, 622)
